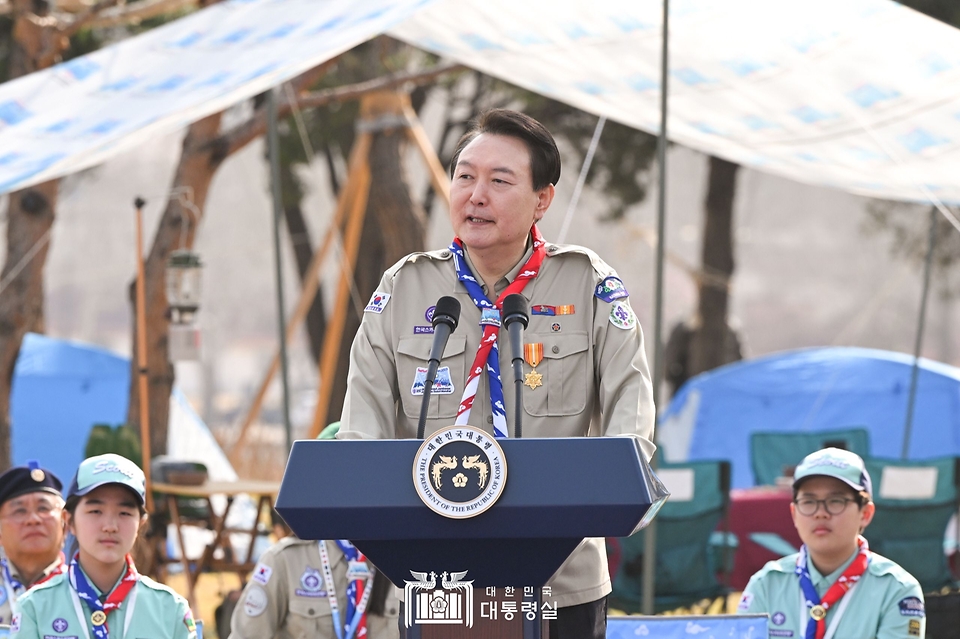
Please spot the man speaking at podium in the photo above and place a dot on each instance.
(585, 370)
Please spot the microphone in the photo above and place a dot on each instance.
(445, 318)
(515, 319)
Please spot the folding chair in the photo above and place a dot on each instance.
(686, 570)
(915, 500)
(774, 454)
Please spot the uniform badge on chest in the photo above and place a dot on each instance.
(311, 583)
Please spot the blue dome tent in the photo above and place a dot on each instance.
(714, 414)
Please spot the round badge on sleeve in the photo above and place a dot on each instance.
(459, 472)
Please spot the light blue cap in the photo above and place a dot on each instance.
(840, 464)
(108, 469)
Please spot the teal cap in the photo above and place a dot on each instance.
(837, 463)
(108, 469)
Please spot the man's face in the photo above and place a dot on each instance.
(826, 534)
(492, 201)
(32, 525)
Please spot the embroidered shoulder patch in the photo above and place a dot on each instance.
(912, 607)
(261, 574)
(378, 302)
(610, 289)
(255, 602)
(15, 622)
(621, 316)
(745, 600)
(189, 622)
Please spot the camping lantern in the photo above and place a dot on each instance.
(183, 286)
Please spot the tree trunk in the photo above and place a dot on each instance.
(707, 341)
(394, 226)
(199, 161)
(714, 343)
(29, 220)
(30, 216)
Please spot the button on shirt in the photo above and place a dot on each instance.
(886, 603)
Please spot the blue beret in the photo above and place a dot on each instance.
(21, 480)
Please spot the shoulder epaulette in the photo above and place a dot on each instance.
(412, 258)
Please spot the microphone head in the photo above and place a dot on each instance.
(447, 312)
(515, 310)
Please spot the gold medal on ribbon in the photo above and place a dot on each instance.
(98, 618)
(533, 355)
(818, 612)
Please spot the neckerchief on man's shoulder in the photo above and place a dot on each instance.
(488, 355)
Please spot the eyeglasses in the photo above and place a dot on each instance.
(21, 514)
(833, 505)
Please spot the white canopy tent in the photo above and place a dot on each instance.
(862, 95)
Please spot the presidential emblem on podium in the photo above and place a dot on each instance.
(460, 471)
(451, 603)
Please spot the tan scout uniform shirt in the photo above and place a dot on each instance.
(595, 375)
(8, 607)
(282, 602)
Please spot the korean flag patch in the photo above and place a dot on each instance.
(261, 574)
(378, 302)
(15, 623)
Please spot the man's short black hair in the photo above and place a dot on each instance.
(544, 155)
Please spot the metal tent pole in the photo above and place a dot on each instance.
(918, 344)
(650, 539)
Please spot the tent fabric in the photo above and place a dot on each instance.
(859, 95)
(61, 389)
(714, 414)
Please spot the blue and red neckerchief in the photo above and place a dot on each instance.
(816, 607)
(88, 595)
(488, 355)
(356, 614)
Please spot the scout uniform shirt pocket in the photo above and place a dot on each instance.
(563, 374)
(310, 618)
(413, 352)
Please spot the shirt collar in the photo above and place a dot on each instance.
(504, 281)
(821, 582)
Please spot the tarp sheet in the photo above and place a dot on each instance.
(861, 95)
(713, 415)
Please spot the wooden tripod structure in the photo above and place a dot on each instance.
(379, 110)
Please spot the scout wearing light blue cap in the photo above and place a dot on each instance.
(837, 463)
(108, 469)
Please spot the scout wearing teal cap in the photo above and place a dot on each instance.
(837, 463)
(108, 469)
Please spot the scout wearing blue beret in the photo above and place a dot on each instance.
(31, 532)
(98, 592)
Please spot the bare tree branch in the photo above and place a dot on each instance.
(136, 13)
(240, 136)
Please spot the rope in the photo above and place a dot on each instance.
(587, 161)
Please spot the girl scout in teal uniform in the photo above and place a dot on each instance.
(101, 595)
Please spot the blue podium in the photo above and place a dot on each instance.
(557, 492)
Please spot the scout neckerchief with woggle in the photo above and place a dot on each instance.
(359, 586)
(849, 578)
(85, 592)
(487, 354)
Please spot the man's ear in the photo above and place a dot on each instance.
(866, 515)
(544, 199)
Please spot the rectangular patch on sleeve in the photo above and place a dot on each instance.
(261, 574)
(745, 600)
(15, 623)
(912, 607)
(913, 628)
(378, 302)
